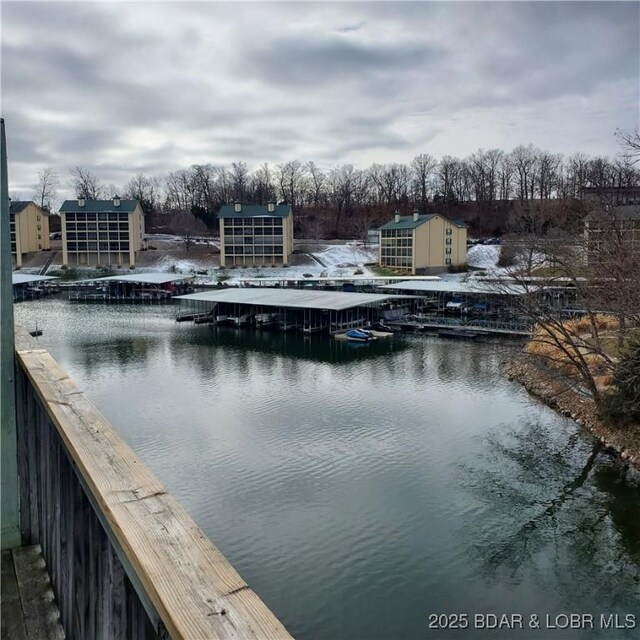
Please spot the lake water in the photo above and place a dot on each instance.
(359, 490)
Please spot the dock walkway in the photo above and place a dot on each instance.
(29, 610)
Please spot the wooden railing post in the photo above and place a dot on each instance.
(10, 508)
(125, 560)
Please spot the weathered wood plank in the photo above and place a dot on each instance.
(192, 587)
(33, 483)
(13, 627)
(64, 586)
(42, 619)
(23, 452)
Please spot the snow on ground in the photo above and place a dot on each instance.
(202, 261)
(325, 260)
(483, 256)
(349, 255)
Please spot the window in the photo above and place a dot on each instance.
(449, 231)
(447, 261)
(448, 241)
(448, 250)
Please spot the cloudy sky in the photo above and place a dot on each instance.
(123, 87)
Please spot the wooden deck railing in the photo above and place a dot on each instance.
(125, 559)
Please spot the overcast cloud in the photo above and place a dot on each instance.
(127, 87)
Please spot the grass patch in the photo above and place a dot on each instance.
(386, 271)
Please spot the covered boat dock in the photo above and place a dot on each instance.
(304, 310)
(134, 288)
(487, 307)
(29, 287)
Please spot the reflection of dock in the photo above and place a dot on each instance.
(319, 348)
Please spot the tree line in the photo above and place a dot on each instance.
(483, 189)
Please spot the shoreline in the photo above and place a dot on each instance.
(625, 442)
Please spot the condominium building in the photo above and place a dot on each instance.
(422, 244)
(611, 230)
(255, 235)
(101, 232)
(29, 230)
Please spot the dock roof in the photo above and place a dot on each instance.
(458, 286)
(328, 279)
(143, 278)
(290, 298)
(26, 278)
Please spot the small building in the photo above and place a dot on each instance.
(29, 230)
(423, 243)
(613, 196)
(101, 232)
(255, 235)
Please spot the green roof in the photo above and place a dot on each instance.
(254, 211)
(17, 206)
(99, 206)
(406, 222)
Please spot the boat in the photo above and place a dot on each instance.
(266, 319)
(381, 326)
(458, 334)
(381, 334)
(359, 335)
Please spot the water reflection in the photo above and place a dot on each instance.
(538, 487)
(331, 476)
(244, 343)
(126, 352)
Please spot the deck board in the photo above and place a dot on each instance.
(12, 618)
(29, 610)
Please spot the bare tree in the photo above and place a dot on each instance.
(292, 182)
(630, 142)
(86, 184)
(187, 225)
(239, 180)
(318, 181)
(580, 292)
(262, 185)
(47, 188)
(146, 190)
(524, 162)
(179, 188)
(423, 166)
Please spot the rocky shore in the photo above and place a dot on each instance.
(558, 395)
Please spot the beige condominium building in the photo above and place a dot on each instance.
(29, 229)
(423, 244)
(255, 235)
(101, 232)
